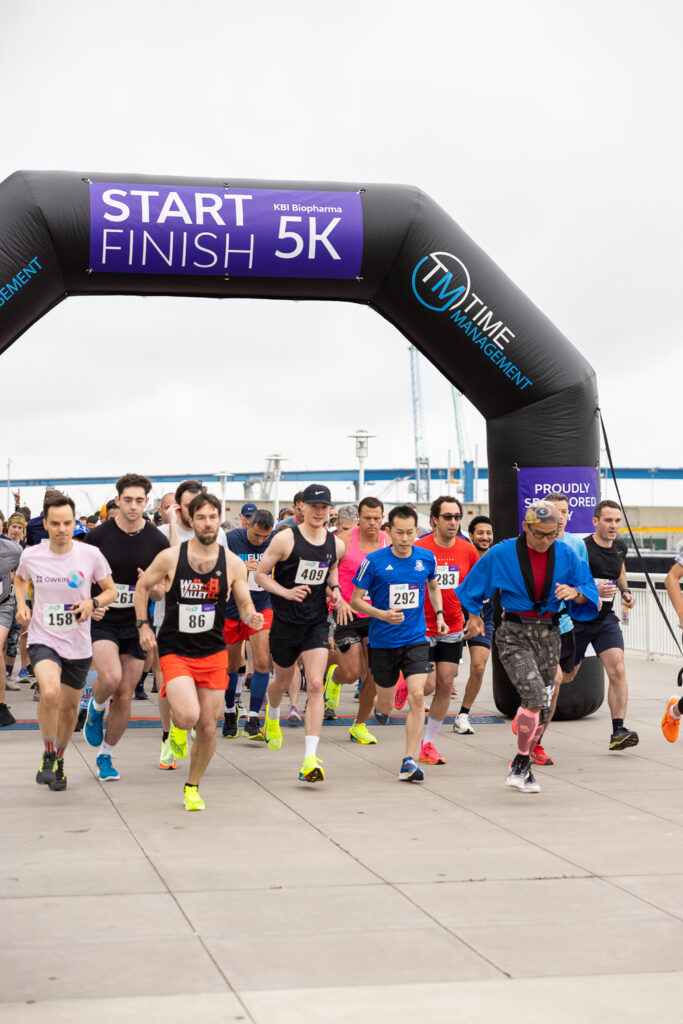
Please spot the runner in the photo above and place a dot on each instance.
(248, 510)
(671, 720)
(535, 576)
(61, 573)
(394, 579)
(129, 544)
(351, 633)
(454, 559)
(249, 544)
(197, 575)
(480, 530)
(606, 557)
(303, 560)
(10, 554)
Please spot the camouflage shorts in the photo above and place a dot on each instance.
(530, 655)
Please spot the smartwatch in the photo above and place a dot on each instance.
(95, 602)
(139, 623)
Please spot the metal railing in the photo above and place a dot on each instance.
(646, 630)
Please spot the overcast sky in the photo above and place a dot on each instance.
(550, 132)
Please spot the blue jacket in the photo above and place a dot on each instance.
(499, 569)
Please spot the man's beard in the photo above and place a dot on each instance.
(207, 538)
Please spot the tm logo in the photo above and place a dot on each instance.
(441, 281)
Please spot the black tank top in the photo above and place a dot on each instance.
(195, 609)
(309, 564)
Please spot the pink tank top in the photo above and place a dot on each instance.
(350, 563)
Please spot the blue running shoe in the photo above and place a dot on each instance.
(24, 675)
(409, 771)
(94, 726)
(380, 717)
(107, 771)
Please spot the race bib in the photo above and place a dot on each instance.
(447, 576)
(312, 572)
(196, 618)
(404, 595)
(59, 618)
(125, 595)
(251, 582)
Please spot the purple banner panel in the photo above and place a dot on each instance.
(224, 232)
(579, 483)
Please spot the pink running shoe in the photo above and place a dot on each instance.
(430, 754)
(401, 695)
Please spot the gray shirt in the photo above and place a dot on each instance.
(10, 553)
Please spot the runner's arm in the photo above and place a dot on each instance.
(279, 548)
(437, 605)
(359, 605)
(673, 589)
(84, 609)
(161, 568)
(622, 583)
(240, 591)
(23, 613)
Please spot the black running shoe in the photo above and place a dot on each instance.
(623, 738)
(252, 729)
(46, 774)
(59, 781)
(140, 691)
(6, 717)
(231, 724)
(82, 715)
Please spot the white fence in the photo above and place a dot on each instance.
(646, 630)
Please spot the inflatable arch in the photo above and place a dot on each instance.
(388, 246)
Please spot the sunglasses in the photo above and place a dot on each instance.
(448, 516)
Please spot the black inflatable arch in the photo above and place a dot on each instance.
(388, 246)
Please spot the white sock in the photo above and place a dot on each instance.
(97, 706)
(431, 729)
(674, 712)
(240, 683)
(106, 749)
(273, 713)
(311, 745)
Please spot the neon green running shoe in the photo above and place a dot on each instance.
(193, 801)
(312, 770)
(178, 740)
(332, 690)
(360, 733)
(272, 730)
(167, 761)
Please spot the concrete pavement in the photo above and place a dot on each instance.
(359, 897)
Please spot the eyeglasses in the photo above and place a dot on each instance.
(449, 515)
(539, 535)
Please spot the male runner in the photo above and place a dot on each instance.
(249, 544)
(197, 575)
(129, 543)
(297, 516)
(178, 526)
(58, 631)
(10, 553)
(535, 576)
(480, 530)
(606, 557)
(351, 632)
(303, 560)
(248, 510)
(454, 559)
(394, 579)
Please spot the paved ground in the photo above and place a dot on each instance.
(359, 897)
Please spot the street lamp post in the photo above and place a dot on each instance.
(361, 438)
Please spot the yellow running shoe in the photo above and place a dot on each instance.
(359, 733)
(332, 690)
(193, 801)
(167, 761)
(272, 730)
(312, 770)
(670, 725)
(178, 740)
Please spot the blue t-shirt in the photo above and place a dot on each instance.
(576, 544)
(239, 544)
(397, 583)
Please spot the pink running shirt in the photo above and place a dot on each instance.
(59, 581)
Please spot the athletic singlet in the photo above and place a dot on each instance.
(350, 564)
(307, 564)
(195, 609)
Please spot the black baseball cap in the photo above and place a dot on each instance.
(317, 494)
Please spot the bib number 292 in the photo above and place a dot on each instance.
(404, 595)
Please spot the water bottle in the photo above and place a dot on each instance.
(624, 612)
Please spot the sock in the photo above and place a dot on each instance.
(241, 676)
(231, 691)
(273, 713)
(527, 724)
(97, 706)
(141, 679)
(536, 739)
(675, 710)
(49, 746)
(617, 724)
(259, 685)
(311, 745)
(432, 727)
(106, 749)
(463, 710)
(59, 751)
(164, 736)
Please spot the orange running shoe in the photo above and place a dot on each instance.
(430, 754)
(401, 695)
(670, 725)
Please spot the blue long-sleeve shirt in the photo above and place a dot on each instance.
(499, 569)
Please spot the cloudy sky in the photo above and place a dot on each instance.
(550, 132)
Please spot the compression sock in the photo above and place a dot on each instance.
(527, 724)
(231, 691)
(259, 685)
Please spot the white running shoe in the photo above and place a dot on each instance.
(462, 725)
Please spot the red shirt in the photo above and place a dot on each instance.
(452, 565)
(539, 567)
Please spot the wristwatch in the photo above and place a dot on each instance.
(95, 602)
(139, 623)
